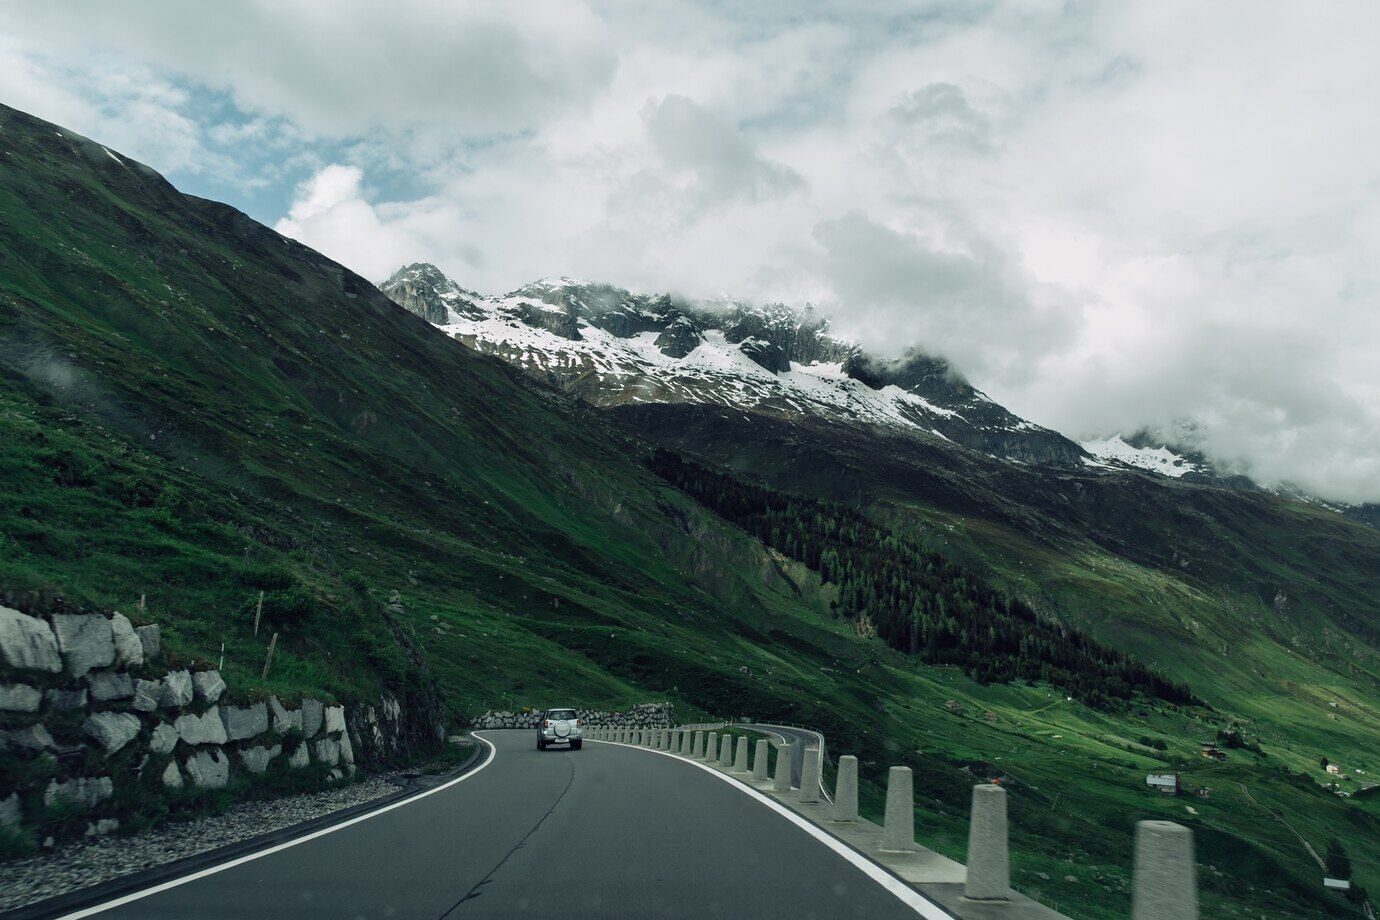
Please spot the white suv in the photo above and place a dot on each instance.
(559, 726)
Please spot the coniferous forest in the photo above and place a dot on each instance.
(918, 601)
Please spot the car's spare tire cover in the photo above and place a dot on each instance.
(562, 729)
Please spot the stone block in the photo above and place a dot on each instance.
(85, 641)
(172, 776)
(327, 751)
(129, 651)
(110, 685)
(112, 730)
(19, 698)
(284, 720)
(335, 719)
(312, 713)
(151, 640)
(10, 812)
(86, 791)
(300, 757)
(243, 722)
(208, 769)
(164, 739)
(65, 700)
(207, 686)
(347, 749)
(207, 728)
(177, 690)
(146, 694)
(256, 758)
(28, 642)
(31, 738)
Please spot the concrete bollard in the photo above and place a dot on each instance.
(783, 768)
(989, 869)
(846, 789)
(1164, 877)
(740, 756)
(726, 752)
(697, 745)
(684, 741)
(809, 777)
(759, 760)
(711, 751)
(898, 828)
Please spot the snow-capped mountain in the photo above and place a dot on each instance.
(1139, 451)
(612, 347)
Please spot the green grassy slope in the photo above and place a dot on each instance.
(1267, 607)
(194, 409)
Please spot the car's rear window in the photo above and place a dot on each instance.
(561, 714)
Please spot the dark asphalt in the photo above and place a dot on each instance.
(607, 831)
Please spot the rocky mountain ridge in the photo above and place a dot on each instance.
(613, 348)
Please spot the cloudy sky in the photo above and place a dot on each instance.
(1107, 215)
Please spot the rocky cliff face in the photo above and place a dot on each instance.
(614, 348)
(422, 289)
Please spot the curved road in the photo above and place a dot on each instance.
(608, 831)
(798, 738)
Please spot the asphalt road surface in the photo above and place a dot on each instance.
(607, 831)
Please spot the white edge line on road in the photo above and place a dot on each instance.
(908, 895)
(249, 857)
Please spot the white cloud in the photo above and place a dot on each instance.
(1110, 216)
(330, 213)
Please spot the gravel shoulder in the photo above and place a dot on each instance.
(81, 864)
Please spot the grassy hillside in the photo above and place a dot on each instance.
(194, 409)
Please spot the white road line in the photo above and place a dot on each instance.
(913, 899)
(250, 857)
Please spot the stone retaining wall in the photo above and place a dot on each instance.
(87, 709)
(644, 715)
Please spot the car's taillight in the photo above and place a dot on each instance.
(545, 723)
(577, 723)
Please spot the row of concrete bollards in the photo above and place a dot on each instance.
(1164, 875)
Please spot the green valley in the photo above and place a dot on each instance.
(195, 409)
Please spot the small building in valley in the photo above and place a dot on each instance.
(1163, 783)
